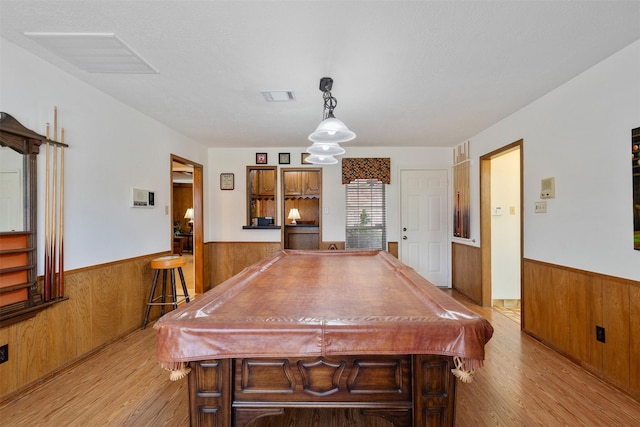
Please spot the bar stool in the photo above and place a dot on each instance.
(166, 263)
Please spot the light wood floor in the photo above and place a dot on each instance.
(188, 271)
(523, 383)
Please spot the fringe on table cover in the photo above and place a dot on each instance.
(465, 368)
(177, 370)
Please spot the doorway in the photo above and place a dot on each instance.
(501, 228)
(425, 224)
(186, 213)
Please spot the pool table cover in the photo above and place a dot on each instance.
(322, 303)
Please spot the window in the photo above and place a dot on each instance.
(366, 215)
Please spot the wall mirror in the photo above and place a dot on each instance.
(12, 187)
(261, 197)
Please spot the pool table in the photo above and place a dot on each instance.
(330, 329)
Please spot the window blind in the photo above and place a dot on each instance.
(366, 215)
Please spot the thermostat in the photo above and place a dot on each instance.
(142, 198)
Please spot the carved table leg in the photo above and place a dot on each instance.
(434, 391)
(210, 393)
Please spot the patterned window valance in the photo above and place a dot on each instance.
(366, 168)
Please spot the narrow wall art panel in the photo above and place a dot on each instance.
(635, 168)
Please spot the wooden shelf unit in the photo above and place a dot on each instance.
(18, 275)
(302, 189)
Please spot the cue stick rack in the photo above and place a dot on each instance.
(53, 283)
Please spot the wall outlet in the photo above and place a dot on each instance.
(541, 207)
(600, 334)
(4, 353)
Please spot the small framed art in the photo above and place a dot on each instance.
(226, 181)
(303, 159)
(284, 158)
(261, 158)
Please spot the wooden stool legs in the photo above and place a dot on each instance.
(164, 264)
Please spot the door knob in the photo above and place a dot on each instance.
(404, 237)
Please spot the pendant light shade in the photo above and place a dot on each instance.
(326, 149)
(330, 132)
(317, 159)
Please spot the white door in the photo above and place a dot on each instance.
(424, 222)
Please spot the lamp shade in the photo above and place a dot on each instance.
(332, 130)
(189, 214)
(294, 215)
(325, 149)
(318, 159)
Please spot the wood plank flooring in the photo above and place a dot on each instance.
(523, 383)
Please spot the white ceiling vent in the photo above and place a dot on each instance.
(278, 95)
(94, 52)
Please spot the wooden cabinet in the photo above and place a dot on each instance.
(310, 184)
(292, 183)
(302, 190)
(301, 237)
(302, 183)
(263, 182)
(261, 194)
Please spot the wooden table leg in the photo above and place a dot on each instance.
(434, 395)
(210, 393)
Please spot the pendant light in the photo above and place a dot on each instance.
(326, 149)
(330, 132)
(317, 159)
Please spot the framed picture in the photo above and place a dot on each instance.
(261, 158)
(303, 159)
(284, 158)
(226, 181)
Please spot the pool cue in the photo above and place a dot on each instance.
(61, 254)
(47, 238)
(54, 209)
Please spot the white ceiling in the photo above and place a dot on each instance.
(406, 73)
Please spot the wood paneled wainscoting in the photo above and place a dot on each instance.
(562, 308)
(466, 271)
(223, 260)
(105, 303)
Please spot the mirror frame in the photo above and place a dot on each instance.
(26, 142)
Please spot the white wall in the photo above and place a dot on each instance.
(227, 209)
(505, 227)
(580, 134)
(111, 149)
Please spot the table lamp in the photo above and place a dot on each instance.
(189, 216)
(294, 215)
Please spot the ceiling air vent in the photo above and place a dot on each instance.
(94, 52)
(278, 95)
